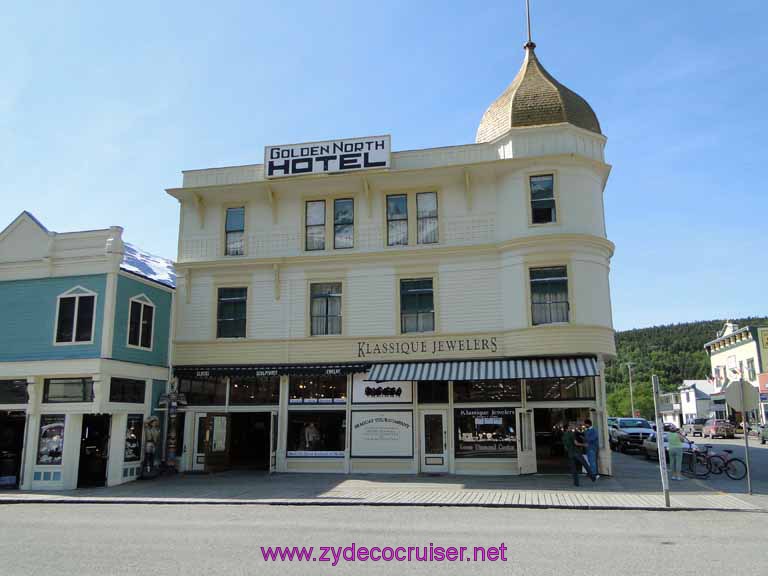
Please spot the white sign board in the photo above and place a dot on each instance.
(382, 434)
(748, 393)
(369, 392)
(369, 153)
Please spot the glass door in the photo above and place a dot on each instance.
(218, 441)
(198, 453)
(434, 441)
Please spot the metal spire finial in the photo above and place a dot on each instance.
(530, 43)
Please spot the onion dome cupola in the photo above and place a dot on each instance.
(535, 98)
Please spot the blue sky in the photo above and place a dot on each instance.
(102, 105)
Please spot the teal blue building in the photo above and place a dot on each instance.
(84, 355)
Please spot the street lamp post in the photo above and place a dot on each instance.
(631, 393)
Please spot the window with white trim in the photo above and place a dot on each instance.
(543, 205)
(235, 232)
(549, 295)
(141, 319)
(75, 316)
(426, 217)
(315, 225)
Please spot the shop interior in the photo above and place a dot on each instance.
(94, 451)
(550, 423)
(249, 440)
(11, 444)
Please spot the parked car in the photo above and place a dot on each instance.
(714, 427)
(629, 433)
(651, 450)
(695, 428)
(611, 422)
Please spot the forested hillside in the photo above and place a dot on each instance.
(675, 352)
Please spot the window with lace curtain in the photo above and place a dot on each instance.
(325, 308)
(549, 295)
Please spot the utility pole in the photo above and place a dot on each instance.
(631, 393)
(661, 448)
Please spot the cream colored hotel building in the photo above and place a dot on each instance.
(346, 309)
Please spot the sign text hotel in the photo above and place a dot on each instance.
(431, 347)
(372, 152)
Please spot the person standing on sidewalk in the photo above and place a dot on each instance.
(592, 438)
(576, 459)
(675, 442)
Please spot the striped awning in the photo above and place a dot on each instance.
(509, 369)
(205, 371)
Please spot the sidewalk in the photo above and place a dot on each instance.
(538, 491)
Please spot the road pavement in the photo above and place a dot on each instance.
(132, 539)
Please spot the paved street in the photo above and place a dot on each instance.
(131, 539)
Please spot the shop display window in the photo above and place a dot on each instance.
(133, 430)
(254, 390)
(485, 433)
(320, 389)
(320, 434)
(204, 391)
(550, 389)
(433, 392)
(50, 445)
(13, 391)
(60, 390)
(491, 391)
(127, 390)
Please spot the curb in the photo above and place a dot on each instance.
(321, 503)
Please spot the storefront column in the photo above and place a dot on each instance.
(604, 460)
(29, 450)
(348, 430)
(282, 425)
(70, 460)
(118, 425)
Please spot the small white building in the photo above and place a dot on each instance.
(695, 400)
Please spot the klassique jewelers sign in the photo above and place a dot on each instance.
(371, 152)
(429, 347)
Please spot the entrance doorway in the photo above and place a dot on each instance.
(550, 423)
(434, 441)
(11, 444)
(94, 451)
(249, 440)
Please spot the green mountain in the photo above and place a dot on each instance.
(675, 352)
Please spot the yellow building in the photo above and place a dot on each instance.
(344, 308)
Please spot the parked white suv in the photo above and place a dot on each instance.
(629, 434)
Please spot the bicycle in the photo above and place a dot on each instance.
(695, 464)
(734, 468)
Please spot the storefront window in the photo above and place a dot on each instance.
(126, 390)
(318, 389)
(133, 431)
(68, 390)
(51, 440)
(493, 391)
(433, 392)
(204, 391)
(254, 390)
(316, 434)
(547, 389)
(13, 391)
(485, 433)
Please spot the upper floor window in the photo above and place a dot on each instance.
(543, 209)
(343, 223)
(315, 225)
(141, 322)
(426, 217)
(231, 312)
(75, 316)
(549, 295)
(417, 309)
(235, 232)
(326, 308)
(751, 369)
(397, 220)
(13, 392)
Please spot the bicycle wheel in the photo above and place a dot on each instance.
(701, 467)
(736, 469)
(716, 464)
